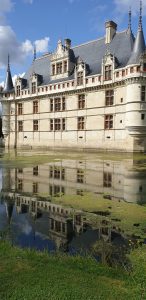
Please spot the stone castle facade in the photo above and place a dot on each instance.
(91, 96)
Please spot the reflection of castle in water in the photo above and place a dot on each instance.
(113, 179)
(63, 225)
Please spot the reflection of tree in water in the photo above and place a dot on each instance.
(112, 252)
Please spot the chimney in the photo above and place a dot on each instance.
(111, 28)
(67, 43)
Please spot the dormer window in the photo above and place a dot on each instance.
(108, 72)
(18, 90)
(53, 69)
(65, 66)
(79, 78)
(59, 68)
(33, 87)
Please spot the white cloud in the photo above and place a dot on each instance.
(18, 51)
(42, 45)
(6, 6)
(27, 47)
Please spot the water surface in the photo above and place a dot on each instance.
(74, 202)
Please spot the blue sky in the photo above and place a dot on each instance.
(43, 22)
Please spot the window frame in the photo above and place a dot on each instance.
(35, 107)
(108, 122)
(35, 125)
(20, 126)
(109, 97)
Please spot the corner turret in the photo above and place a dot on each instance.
(139, 45)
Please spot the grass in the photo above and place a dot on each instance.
(128, 214)
(30, 275)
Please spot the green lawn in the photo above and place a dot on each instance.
(28, 275)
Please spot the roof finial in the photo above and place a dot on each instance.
(8, 62)
(34, 52)
(140, 16)
(129, 24)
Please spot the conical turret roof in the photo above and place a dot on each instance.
(139, 45)
(8, 87)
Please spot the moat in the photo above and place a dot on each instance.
(74, 202)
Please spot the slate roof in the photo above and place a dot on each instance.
(92, 54)
(139, 47)
(8, 87)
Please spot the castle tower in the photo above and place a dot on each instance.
(135, 110)
(8, 89)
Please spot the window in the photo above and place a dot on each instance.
(35, 187)
(20, 185)
(87, 80)
(107, 179)
(20, 126)
(57, 124)
(93, 79)
(20, 171)
(35, 125)
(51, 172)
(79, 78)
(81, 101)
(59, 68)
(108, 122)
(142, 116)
(138, 69)
(35, 107)
(33, 87)
(123, 72)
(63, 103)
(18, 90)
(56, 189)
(108, 72)
(51, 124)
(81, 123)
(143, 92)
(51, 104)
(20, 109)
(117, 74)
(63, 124)
(57, 173)
(57, 104)
(80, 176)
(65, 66)
(109, 97)
(35, 171)
(53, 69)
(131, 70)
(57, 226)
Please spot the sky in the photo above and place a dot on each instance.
(25, 23)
